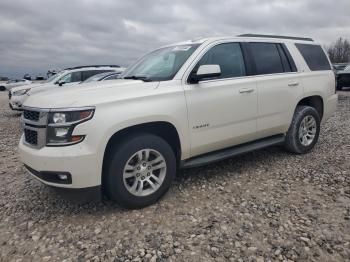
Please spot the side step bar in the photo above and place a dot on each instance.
(232, 151)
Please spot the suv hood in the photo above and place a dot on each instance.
(90, 94)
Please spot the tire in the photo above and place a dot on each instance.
(2, 88)
(120, 187)
(301, 145)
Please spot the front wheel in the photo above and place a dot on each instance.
(304, 130)
(139, 171)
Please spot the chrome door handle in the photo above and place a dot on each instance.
(246, 90)
(293, 84)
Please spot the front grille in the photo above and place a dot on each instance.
(31, 115)
(31, 137)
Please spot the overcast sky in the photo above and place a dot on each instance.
(37, 35)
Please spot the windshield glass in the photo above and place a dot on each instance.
(162, 64)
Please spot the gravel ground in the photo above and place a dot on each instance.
(264, 206)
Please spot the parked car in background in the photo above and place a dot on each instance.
(67, 77)
(339, 66)
(343, 78)
(103, 77)
(180, 106)
(40, 78)
(27, 77)
(14, 83)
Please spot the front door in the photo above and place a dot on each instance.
(222, 112)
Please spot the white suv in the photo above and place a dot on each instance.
(182, 105)
(67, 77)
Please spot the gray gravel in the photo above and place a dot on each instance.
(264, 206)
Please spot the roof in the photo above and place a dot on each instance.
(277, 37)
(252, 37)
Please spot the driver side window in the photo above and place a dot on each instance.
(228, 56)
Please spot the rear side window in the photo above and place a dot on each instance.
(89, 73)
(228, 56)
(116, 76)
(76, 77)
(267, 58)
(314, 57)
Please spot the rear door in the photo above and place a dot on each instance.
(279, 87)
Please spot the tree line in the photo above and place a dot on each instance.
(339, 51)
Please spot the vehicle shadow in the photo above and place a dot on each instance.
(49, 202)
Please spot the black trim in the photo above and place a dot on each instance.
(289, 57)
(51, 176)
(80, 195)
(232, 151)
(248, 59)
(87, 66)
(277, 36)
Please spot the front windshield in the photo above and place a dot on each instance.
(162, 64)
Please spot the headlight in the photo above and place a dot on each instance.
(21, 92)
(61, 125)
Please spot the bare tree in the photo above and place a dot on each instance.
(339, 51)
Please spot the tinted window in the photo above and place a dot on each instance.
(116, 76)
(89, 73)
(314, 56)
(76, 77)
(267, 58)
(71, 77)
(228, 56)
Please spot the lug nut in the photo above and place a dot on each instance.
(144, 164)
(138, 168)
(148, 174)
(137, 174)
(149, 167)
(142, 177)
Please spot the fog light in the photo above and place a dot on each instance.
(61, 131)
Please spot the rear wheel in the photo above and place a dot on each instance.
(140, 170)
(304, 130)
(2, 88)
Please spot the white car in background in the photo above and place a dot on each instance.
(14, 83)
(67, 77)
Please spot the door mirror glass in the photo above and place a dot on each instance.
(206, 72)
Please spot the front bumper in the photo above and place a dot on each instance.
(76, 161)
(330, 106)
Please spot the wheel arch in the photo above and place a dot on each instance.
(315, 101)
(163, 129)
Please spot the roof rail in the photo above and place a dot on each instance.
(78, 67)
(278, 36)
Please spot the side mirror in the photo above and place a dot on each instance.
(205, 72)
(61, 83)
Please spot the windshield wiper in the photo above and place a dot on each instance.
(143, 78)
